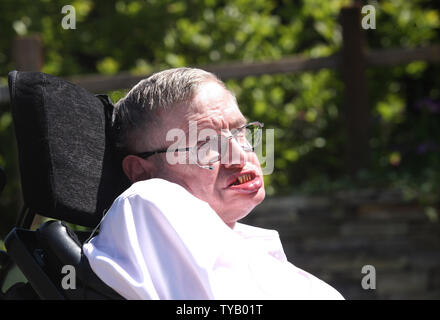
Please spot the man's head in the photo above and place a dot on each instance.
(180, 100)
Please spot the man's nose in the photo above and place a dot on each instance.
(235, 155)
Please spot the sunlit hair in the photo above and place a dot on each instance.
(137, 113)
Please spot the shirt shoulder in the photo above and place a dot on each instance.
(266, 240)
(162, 194)
(248, 231)
(149, 189)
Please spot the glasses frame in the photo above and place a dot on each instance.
(147, 154)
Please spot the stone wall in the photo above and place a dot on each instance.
(334, 237)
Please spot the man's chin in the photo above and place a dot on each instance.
(252, 199)
(238, 208)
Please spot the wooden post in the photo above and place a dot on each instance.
(356, 110)
(28, 53)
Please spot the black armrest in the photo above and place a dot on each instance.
(22, 247)
(41, 255)
(60, 241)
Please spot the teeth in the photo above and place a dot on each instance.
(244, 178)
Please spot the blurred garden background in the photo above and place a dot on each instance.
(397, 161)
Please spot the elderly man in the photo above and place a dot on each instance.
(174, 233)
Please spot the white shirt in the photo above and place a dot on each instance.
(158, 241)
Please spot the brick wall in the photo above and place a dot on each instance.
(334, 237)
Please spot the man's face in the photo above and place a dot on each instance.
(214, 110)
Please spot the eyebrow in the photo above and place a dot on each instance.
(236, 123)
(239, 123)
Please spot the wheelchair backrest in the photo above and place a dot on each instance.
(69, 168)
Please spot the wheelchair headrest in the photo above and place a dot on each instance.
(69, 168)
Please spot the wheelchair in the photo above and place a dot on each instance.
(71, 173)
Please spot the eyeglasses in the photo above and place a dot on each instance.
(213, 148)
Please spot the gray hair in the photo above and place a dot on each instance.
(137, 113)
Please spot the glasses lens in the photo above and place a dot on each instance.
(253, 134)
(216, 147)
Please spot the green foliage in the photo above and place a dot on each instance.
(142, 36)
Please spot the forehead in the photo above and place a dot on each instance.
(216, 105)
(212, 106)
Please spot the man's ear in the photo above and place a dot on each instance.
(137, 169)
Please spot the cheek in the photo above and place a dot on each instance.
(174, 173)
(198, 181)
(254, 160)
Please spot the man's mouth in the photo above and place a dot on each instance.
(243, 179)
(246, 182)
